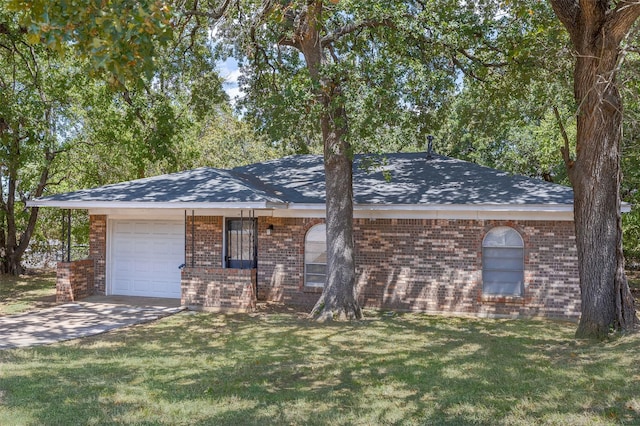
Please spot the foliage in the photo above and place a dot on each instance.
(119, 38)
(505, 119)
(37, 91)
(397, 71)
(274, 368)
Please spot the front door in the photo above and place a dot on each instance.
(241, 242)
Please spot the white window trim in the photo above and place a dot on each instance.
(519, 247)
(306, 284)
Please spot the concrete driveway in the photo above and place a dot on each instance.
(94, 315)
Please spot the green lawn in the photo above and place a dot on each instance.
(278, 368)
(26, 292)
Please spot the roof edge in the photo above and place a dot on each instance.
(84, 205)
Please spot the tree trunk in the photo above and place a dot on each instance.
(597, 32)
(14, 245)
(338, 300)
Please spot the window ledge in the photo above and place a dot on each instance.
(496, 298)
(308, 289)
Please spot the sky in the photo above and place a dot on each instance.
(230, 72)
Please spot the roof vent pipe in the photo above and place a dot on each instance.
(430, 138)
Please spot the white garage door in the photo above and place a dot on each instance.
(145, 258)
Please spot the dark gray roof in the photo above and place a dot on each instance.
(203, 185)
(407, 178)
(394, 179)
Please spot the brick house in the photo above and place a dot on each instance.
(432, 234)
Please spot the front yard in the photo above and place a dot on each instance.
(279, 368)
(27, 292)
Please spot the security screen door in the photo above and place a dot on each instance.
(241, 243)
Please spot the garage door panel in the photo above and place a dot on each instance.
(145, 258)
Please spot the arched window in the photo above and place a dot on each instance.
(315, 256)
(503, 262)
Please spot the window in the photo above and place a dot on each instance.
(503, 262)
(315, 256)
(241, 247)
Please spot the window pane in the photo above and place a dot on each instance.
(502, 237)
(501, 258)
(314, 268)
(314, 280)
(503, 262)
(315, 256)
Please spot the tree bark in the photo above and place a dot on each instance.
(13, 246)
(338, 300)
(597, 32)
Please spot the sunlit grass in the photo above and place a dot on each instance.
(199, 368)
(26, 292)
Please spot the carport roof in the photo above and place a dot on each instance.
(391, 179)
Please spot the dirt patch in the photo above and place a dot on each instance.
(269, 308)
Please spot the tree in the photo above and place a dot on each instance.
(597, 29)
(133, 103)
(36, 93)
(346, 75)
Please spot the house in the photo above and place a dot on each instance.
(432, 234)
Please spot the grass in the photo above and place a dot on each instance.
(276, 368)
(279, 368)
(26, 292)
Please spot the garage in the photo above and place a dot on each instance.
(145, 258)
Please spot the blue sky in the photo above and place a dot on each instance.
(230, 72)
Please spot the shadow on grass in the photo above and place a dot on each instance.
(27, 292)
(278, 369)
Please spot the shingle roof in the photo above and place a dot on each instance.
(398, 179)
(412, 179)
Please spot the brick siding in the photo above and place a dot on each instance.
(281, 261)
(429, 265)
(205, 284)
(219, 289)
(98, 250)
(74, 280)
(404, 264)
(207, 243)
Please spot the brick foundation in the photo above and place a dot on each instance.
(74, 280)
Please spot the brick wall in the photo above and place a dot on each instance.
(205, 284)
(219, 289)
(98, 250)
(74, 280)
(281, 261)
(429, 265)
(207, 242)
(405, 264)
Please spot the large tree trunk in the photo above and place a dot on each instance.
(597, 31)
(338, 300)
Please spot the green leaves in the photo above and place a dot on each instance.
(117, 37)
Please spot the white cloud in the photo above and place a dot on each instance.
(230, 72)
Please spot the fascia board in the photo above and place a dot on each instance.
(444, 207)
(150, 205)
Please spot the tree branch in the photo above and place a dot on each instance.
(568, 12)
(565, 150)
(350, 28)
(215, 14)
(622, 19)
